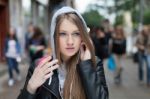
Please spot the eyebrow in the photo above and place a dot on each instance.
(66, 31)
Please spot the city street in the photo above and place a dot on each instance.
(130, 89)
(71, 30)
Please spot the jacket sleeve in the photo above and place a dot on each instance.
(93, 81)
(24, 94)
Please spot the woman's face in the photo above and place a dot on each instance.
(69, 39)
(12, 32)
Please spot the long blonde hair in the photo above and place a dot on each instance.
(73, 86)
(119, 32)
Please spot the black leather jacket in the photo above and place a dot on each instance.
(93, 81)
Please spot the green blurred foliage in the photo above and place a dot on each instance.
(119, 20)
(125, 5)
(146, 20)
(92, 18)
(146, 17)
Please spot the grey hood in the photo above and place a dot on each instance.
(53, 24)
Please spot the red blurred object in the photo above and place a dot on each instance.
(41, 59)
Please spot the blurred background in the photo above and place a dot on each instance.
(120, 30)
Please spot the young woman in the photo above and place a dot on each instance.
(12, 52)
(101, 46)
(36, 44)
(119, 50)
(72, 71)
(143, 45)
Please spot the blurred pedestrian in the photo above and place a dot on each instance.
(143, 54)
(12, 53)
(79, 75)
(28, 35)
(108, 30)
(118, 50)
(37, 44)
(101, 45)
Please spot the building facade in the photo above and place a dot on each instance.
(4, 24)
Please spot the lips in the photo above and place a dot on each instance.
(70, 48)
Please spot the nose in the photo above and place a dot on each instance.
(70, 40)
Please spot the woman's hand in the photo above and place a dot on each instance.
(42, 72)
(85, 52)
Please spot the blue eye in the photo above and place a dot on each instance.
(76, 34)
(62, 34)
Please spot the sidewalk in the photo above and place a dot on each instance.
(3, 69)
(7, 92)
(130, 88)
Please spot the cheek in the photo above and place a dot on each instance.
(78, 44)
(62, 45)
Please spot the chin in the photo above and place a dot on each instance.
(70, 54)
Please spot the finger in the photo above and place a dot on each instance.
(54, 67)
(48, 75)
(46, 66)
(52, 63)
(44, 60)
(47, 71)
(50, 69)
(49, 64)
